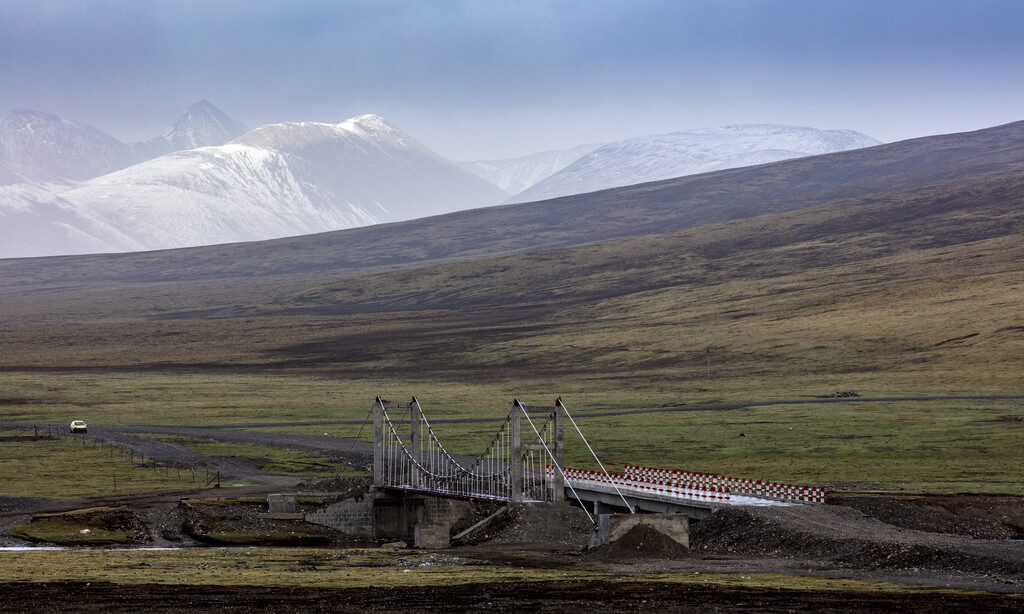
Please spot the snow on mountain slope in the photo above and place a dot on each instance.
(212, 195)
(278, 180)
(367, 160)
(38, 141)
(202, 125)
(20, 187)
(33, 221)
(516, 174)
(666, 156)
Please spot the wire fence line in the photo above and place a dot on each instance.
(121, 455)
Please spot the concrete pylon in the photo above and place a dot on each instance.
(558, 481)
(517, 451)
(378, 443)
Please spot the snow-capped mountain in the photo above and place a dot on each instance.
(367, 161)
(38, 142)
(516, 174)
(651, 158)
(202, 125)
(43, 142)
(278, 180)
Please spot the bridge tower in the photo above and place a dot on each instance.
(511, 466)
(557, 412)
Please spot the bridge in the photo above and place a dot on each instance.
(524, 462)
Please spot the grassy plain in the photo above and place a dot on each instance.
(966, 446)
(274, 460)
(70, 468)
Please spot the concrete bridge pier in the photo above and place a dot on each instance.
(423, 520)
(610, 528)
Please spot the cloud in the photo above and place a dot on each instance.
(467, 76)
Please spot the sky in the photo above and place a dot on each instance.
(492, 79)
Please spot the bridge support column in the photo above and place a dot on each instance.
(517, 451)
(416, 418)
(558, 482)
(378, 443)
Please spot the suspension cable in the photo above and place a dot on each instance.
(353, 444)
(610, 480)
(555, 462)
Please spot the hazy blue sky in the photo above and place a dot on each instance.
(479, 79)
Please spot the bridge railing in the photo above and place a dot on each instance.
(694, 486)
(739, 486)
(646, 486)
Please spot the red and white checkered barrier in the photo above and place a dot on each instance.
(697, 486)
(646, 485)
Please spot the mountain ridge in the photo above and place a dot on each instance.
(278, 180)
(678, 154)
(611, 214)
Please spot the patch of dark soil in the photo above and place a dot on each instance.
(547, 527)
(849, 538)
(337, 487)
(480, 511)
(979, 516)
(641, 543)
(37, 598)
(22, 504)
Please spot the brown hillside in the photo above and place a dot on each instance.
(925, 284)
(658, 207)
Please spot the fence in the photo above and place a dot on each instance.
(125, 455)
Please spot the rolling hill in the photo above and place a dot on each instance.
(891, 269)
(633, 211)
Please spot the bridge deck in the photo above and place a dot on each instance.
(602, 497)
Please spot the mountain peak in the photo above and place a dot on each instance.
(369, 124)
(368, 119)
(666, 156)
(203, 125)
(39, 141)
(293, 136)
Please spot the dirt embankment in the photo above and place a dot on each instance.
(496, 598)
(850, 539)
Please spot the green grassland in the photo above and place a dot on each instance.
(912, 447)
(70, 468)
(274, 460)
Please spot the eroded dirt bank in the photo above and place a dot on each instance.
(504, 597)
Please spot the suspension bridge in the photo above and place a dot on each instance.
(525, 462)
